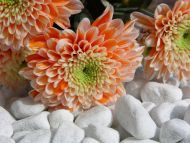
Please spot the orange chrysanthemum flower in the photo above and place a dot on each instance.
(83, 69)
(168, 36)
(21, 18)
(10, 64)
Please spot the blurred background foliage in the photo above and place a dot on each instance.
(122, 9)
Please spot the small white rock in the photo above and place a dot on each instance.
(6, 129)
(134, 87)
(174, 131)
(134, 140)
(6, 116)
(38, 136)
(56, 118)
(162, 113)
(134, 118)
(4, 139)
(100, 115)
(159, 93)
(36, 122)
(90, 140)
(68, 132)
(148, 106)
(19, 135)
(187, 115)
(102, 134)
(25, 107)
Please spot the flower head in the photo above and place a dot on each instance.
(83, 69)
(19, 19)
(10, 64)
(168, 36)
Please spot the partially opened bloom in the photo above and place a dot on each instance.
(21, 18)
(10, 64)
(79, 70)
(168, 35)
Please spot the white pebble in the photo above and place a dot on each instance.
(159, 93)
(68, 132)
(100, 115)
(134, 140)
(102, 134)
(162, 113)
(134, 118)
(6, 116)
(134, 87)
(56, 118)
(174, 131)
(6, 129)
(25, 107)
(4, 139)
(38, 136)
(90, 140)
(35, 122)
(148, 106)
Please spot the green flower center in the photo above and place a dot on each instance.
(182, 39)
(9, 2)
(86, 72)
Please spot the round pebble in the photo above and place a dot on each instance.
(159, 93)
(56, 118)
(174, 131)
(100, 115)
(102, 134)
(25, 107)
(134, 118)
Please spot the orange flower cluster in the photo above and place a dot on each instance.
(168, 37)
(79, 70)
(20, 19)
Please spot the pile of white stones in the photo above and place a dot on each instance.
(150, 113)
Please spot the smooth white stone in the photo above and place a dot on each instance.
(186, 92)
(162, 113)
(99, 115)
(174, 131)
(6, 129)
(19, 135)
(159, 93)
(4, 139)
(68, 132)
(36, 122)
(148, 106)
(187, 115)
(134, 87)
(102, 134)
(56, 118)
(90, 140)
(134, 140)
(25, 107)
(38, 136)
(6, 116)
(134, 118)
